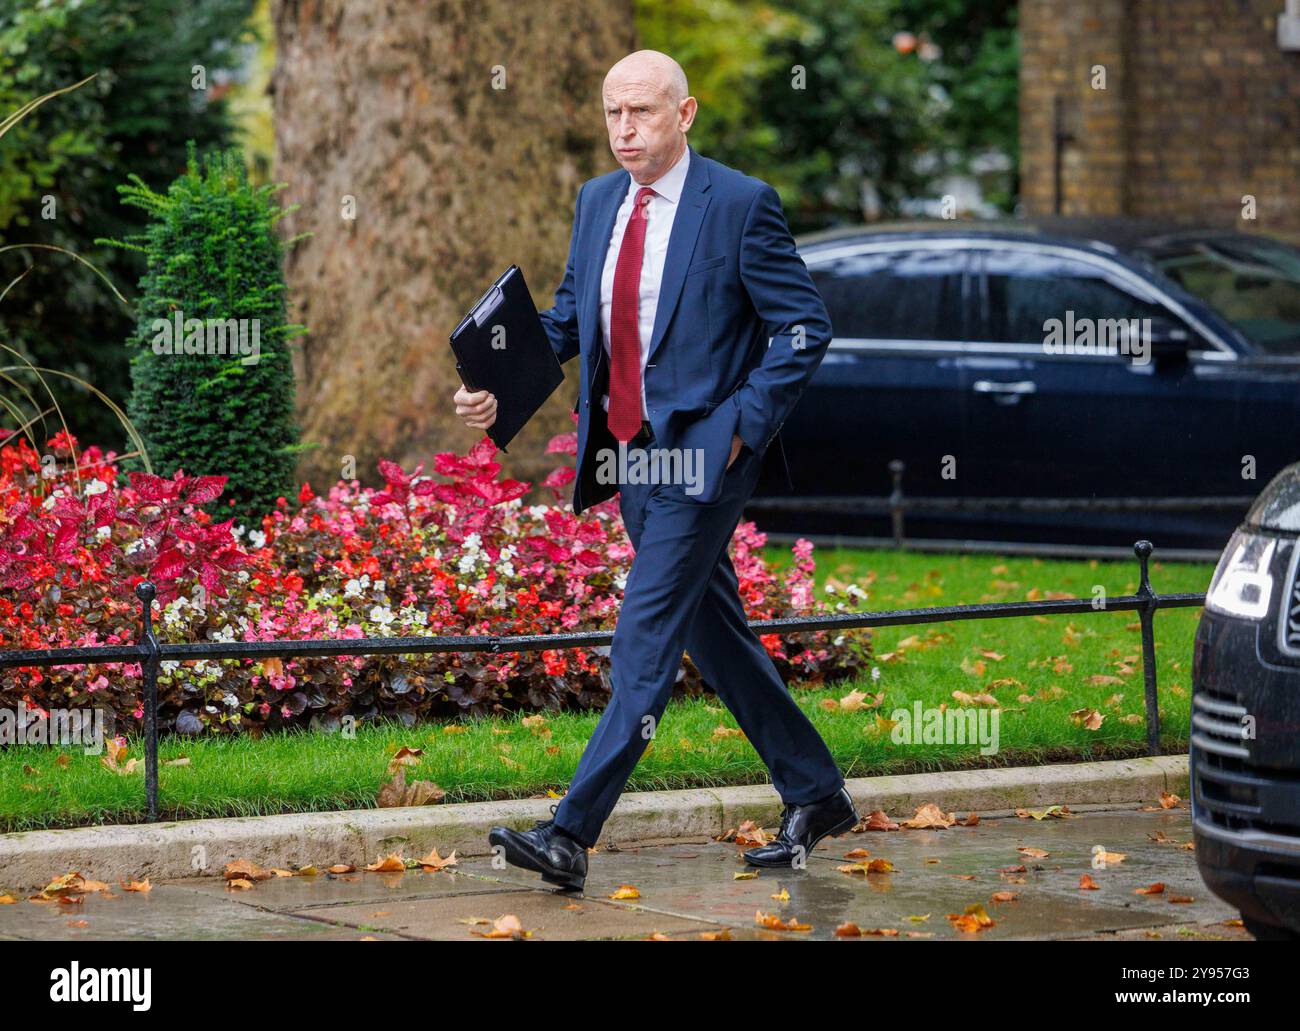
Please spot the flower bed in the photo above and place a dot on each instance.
(454, 553)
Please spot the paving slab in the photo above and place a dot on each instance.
(286, 894)
(689, 887)
(165, 913)
(549, 916)
(936, 873)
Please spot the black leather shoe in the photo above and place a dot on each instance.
(802, 826)
(544, 849)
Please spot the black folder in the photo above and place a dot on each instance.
(501, 346)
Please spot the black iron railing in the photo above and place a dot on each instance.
(151, 654)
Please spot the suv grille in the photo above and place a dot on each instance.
(1288, 624)
(1217, 725)
(1228, 785)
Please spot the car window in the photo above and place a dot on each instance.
(1027, 292)
(894, 295)
(1254, 284)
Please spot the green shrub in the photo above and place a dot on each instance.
(211, 373)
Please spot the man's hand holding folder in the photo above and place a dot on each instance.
(478, 408)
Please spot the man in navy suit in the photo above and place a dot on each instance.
(697, 328)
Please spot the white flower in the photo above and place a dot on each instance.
(538, 511)
(103, 533)
(379, 585)
(473, 542)
(257, 538)
(875, 672)
(382, 615)
(95, 487)
(352, 589)
(855, 592)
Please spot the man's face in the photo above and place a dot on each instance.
(647, 130)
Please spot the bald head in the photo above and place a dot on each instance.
(648, 110)
(652, 70)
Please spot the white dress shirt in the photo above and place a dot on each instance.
(662, 210)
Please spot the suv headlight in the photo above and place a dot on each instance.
(1242, 585)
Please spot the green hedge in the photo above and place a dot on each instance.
(211, 372)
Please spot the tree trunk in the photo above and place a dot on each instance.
(396, 108)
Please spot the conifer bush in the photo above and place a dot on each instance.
(211, 371)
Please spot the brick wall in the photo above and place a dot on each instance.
(1200, 107)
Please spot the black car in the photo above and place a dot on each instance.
(941, 359)
(1245, 734)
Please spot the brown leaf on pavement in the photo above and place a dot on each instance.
(876, 821)
(1033, 853)
(870, 866)
(506, 926)
(750, 835)
(1168, 801)
(435, 862)
(247, 870)
(930, 817)
(1151, 889)
(974, 919)
(392, 863)
(624, 892)
(774, 923)
(136, 885)
(1086, 883)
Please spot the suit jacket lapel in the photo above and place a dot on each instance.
(692, 205)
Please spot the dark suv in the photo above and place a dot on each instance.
(1245, 734)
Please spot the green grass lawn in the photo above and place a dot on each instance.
(1050, 659)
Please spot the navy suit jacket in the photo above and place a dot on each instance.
(739, 330)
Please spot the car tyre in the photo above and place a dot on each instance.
(1269, 932)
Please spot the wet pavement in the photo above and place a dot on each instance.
(689, 888)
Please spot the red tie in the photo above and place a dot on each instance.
(625, 337)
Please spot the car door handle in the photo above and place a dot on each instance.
(1005, 394)
(988, 386)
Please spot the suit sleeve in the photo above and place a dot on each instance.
(561, 320)
(783, 295)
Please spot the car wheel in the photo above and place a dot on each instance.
(1269, 932)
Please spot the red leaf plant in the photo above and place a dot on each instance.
(462, 553)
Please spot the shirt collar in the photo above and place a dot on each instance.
(670, 184)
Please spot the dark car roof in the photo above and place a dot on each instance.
(1126, 235)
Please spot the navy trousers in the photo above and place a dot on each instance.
(682, 595)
